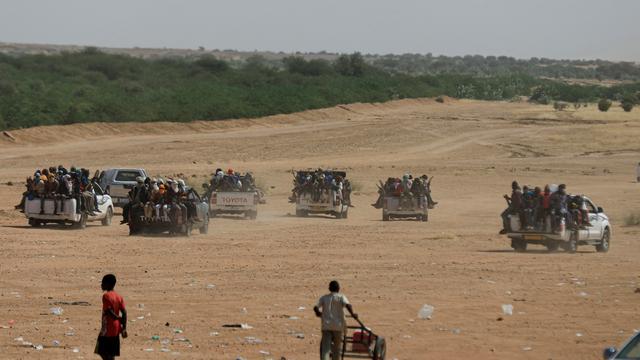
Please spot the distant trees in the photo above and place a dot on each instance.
(350, 65)
(212, 64)
(298, 65)
(604, 105)
(93, 86)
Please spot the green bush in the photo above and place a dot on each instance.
(627, 106)
(604, 104)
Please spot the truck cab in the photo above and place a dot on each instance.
(118, 181)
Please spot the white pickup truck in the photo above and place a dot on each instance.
(597, 234)
(40, 213)
(118, 182)
(329, 204)
(404, 207)
(234, 202)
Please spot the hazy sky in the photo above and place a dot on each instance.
(519, 28)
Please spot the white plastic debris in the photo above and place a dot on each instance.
(426, 312)
(507, 309)
(38, 347)
(583, 294)
(527, 348)
(210, 286)
(56, 311)
(76, 350)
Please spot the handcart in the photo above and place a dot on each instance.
(360, 342)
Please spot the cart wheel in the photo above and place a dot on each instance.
(380, 349)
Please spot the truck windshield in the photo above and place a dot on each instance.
(631, 351)
(127, 175)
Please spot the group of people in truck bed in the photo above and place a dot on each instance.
(407, 186)
(232, 181)
(59, 184)
(320, 185)
(533, 205)
(159, 200)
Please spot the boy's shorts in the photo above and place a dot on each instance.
(108, 345)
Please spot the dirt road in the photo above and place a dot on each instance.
(268, 273)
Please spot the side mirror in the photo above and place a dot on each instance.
(600, 210)
(609, 352)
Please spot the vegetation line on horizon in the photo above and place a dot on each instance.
(93, 86)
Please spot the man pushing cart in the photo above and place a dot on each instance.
(340, 341)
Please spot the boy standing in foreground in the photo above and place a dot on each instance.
(333, 321)
(114, 320)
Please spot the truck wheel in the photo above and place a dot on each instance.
(603, 247)
(301, 213)
(424, 217)
(82, 223)
(552, 245)
(212, 213)
(519, 245)
(205, 227)
(187, 230)
(35, 223)
(107, 219)
(345, 214)
(385, 217)
(380, 349)
(571, 246)
(251, 214)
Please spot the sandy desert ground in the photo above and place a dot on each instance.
(566, 306)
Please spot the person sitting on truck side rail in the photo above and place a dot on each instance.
(135, 197)
(514, 206)
(188, 206)
(584, 211)
(545, 205)
(65, 189)
(528, 207)
(426, 181)
(41, 190)
(51, 191)
(149, 206)
(559, 201)
(26, 194)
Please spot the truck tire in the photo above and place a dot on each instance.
(251, 215)
(82, 223)
(35, 222)
(552, 245)
(385, 217)
(571, 246)
(301, 213)
(424, 217)
(204, 229)
(380, 349)
(107, 219)
(519, 245)
(212, 213)
(187, 229)
(603, 246)
(345, 214)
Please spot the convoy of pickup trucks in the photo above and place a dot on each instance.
(567, 223)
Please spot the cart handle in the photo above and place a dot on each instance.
(358, 320)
